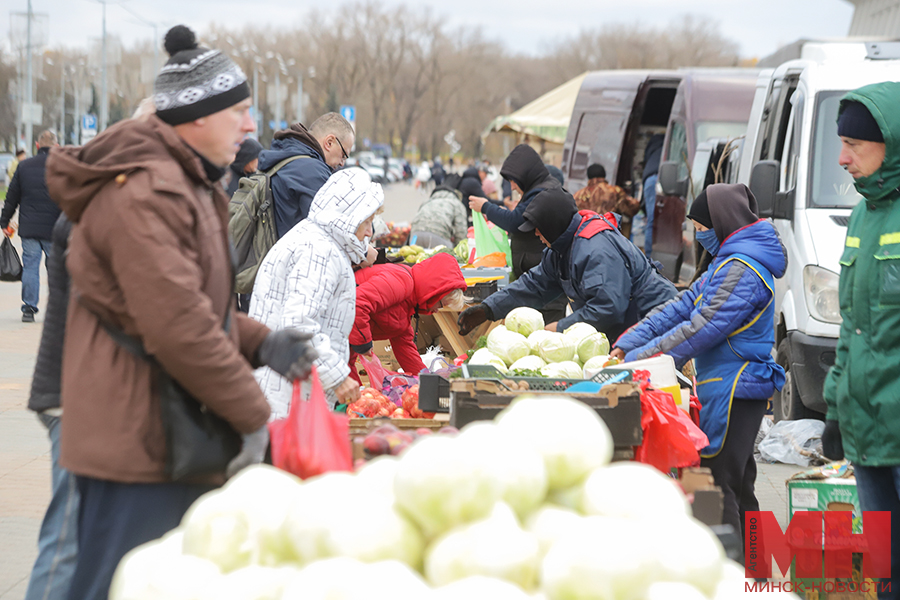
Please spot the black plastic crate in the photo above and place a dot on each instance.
(434, 393)
(482, 290)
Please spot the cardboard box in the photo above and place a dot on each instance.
(830, 487)
(383, 351)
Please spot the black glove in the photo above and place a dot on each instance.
(832, 446)
(288, 353)
(474, 316)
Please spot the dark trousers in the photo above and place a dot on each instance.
(734, 469)
(117, 517)
(879, 489)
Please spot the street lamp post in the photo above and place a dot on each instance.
(29, 88)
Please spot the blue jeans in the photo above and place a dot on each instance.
(649, 207)
(31, 271)
(879, 489)
(58, 541)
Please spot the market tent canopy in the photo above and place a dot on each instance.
(546, 118)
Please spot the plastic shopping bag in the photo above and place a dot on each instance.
(10, 265)
(312, 440)
(490, 239)
(671, 439)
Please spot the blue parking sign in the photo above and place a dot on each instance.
(88, 122)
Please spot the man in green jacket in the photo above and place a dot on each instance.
(862, 389)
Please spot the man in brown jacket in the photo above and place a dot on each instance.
(149, 255)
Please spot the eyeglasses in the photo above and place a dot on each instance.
(343, 152)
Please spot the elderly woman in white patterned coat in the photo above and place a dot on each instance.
(306, 282)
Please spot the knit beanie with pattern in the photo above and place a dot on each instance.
(196, 81)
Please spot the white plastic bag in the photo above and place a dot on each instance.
(794, 443)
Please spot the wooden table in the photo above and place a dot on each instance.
(460, 344)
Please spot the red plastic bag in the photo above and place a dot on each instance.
(312, 440)
(671, 439)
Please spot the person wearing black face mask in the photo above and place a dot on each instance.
(726, 322)
(608, 281)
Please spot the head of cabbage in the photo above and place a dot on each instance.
(524, 320)
(528, 363)
(568, 369)
(507, 345)
(536, 337)
(579, 331)
(556, 347)
(594, 365)
(593, 345)
(486, 357)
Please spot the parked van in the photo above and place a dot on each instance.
(616, 113)
(790, 161)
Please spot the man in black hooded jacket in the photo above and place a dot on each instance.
(609, 282)
(528, 175)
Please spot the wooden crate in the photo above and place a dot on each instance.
(619, 405)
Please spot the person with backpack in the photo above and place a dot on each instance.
(244, 164)
(323, 147)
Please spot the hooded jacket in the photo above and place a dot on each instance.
(28, 192)
(609, 282)
(726, 320)
(525, 167)
(306, 280)
(442, 214)
(862, 389)
(149, 254)
(387, 298)
(296, 184)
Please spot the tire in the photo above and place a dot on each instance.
(786, 404)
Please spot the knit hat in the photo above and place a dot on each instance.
(196, 81)
(700, 210)
(596, 171)
(551, 213)
(855, 121)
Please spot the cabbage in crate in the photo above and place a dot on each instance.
(528, 363)
(508, 345)
(579, 331)
(524, 320)
(556, 347)
(568, 369)
(484, 356)
(593, 345)
(535, 338)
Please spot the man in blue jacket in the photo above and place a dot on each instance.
(608, 281)
(322, 149)
(37, 215)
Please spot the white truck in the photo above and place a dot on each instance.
(789, 160)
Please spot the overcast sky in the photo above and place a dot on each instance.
(758, 26)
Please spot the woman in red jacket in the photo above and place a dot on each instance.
(389, 295)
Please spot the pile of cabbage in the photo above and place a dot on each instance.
(522, 344)
(526, 506)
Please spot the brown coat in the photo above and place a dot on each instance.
(150, 253)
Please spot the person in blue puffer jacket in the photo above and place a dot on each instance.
(725, 322)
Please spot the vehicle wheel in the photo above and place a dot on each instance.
(787, 405)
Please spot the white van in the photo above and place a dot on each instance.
(790, 161)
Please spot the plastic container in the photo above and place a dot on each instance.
(663, 376)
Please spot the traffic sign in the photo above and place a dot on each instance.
(88, 122)
(349, 113)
